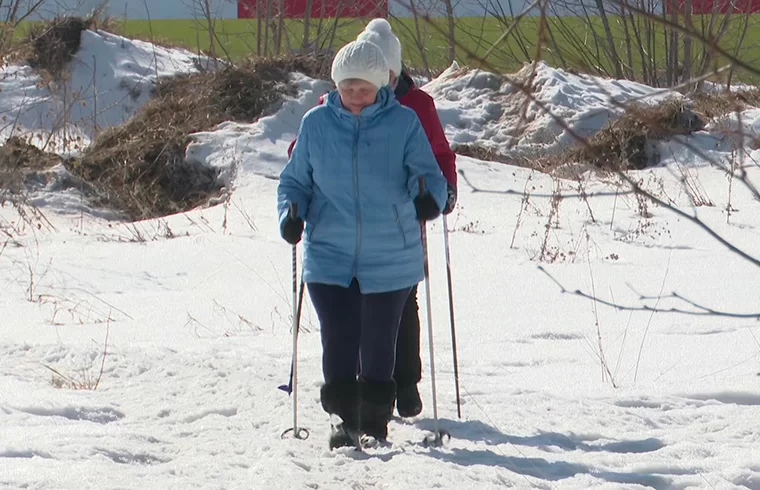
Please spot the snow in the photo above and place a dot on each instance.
(721, 87)
(256, 149)
(477, 106)
(192, 312)
(109, 78)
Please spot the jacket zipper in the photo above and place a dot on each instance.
(356, 195)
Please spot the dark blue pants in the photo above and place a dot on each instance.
(358, 331)
(408, 369)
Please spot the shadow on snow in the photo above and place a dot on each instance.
(540, 468)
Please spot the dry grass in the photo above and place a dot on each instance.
(480, 152)
(626, 142)
(716, 105)
(140, 167)
(539, 162)
(52, 45)
(17, 159)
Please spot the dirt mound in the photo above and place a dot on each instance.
(140, 166)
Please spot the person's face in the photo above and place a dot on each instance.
(356, 94)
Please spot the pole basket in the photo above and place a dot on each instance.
(436, 440)
(296, 433)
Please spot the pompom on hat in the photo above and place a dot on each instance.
(380, 32)
(363, 60)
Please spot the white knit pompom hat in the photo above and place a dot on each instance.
(363, 60)
(379, 32)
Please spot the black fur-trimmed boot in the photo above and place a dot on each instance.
(375, 409)
(408, 401)
(341, 401)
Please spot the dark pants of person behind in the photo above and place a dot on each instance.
(358, 334)
(408, 370)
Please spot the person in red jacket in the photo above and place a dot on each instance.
(408, 368)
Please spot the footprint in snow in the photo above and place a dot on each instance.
(728, 398)
(224, 412)
(25, 454)
(126, 457)
(99, 415)
(556, 336)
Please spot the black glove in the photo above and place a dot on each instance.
(427, 208)
(292, 229)
(451, 200)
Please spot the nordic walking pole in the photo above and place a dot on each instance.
(451, 312)
(438, 437)
(288, 388)
(298, 432)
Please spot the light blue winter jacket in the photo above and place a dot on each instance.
(354, 179)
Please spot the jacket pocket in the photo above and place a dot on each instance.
(316, 221)
(399, 224)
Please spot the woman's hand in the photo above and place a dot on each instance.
(427, 208)
(451, 200)
(292, 229)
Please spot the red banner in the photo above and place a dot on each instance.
(700, 7)
(296, 9)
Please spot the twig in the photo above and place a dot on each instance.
(692, 218)
(105, 350)
(602, 359)
(651, 316)
(705, 311)
(510, 192)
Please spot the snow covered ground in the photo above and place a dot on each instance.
(192, 312)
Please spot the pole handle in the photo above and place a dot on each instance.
(421, 182)
(293, 210)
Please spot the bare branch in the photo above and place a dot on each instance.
(700, 310)
(510, 192)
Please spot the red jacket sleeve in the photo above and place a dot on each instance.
(424, 106)
(321, 101)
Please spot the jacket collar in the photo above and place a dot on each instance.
(385, 100)
(404, 85)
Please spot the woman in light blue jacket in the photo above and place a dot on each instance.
(353, 176)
